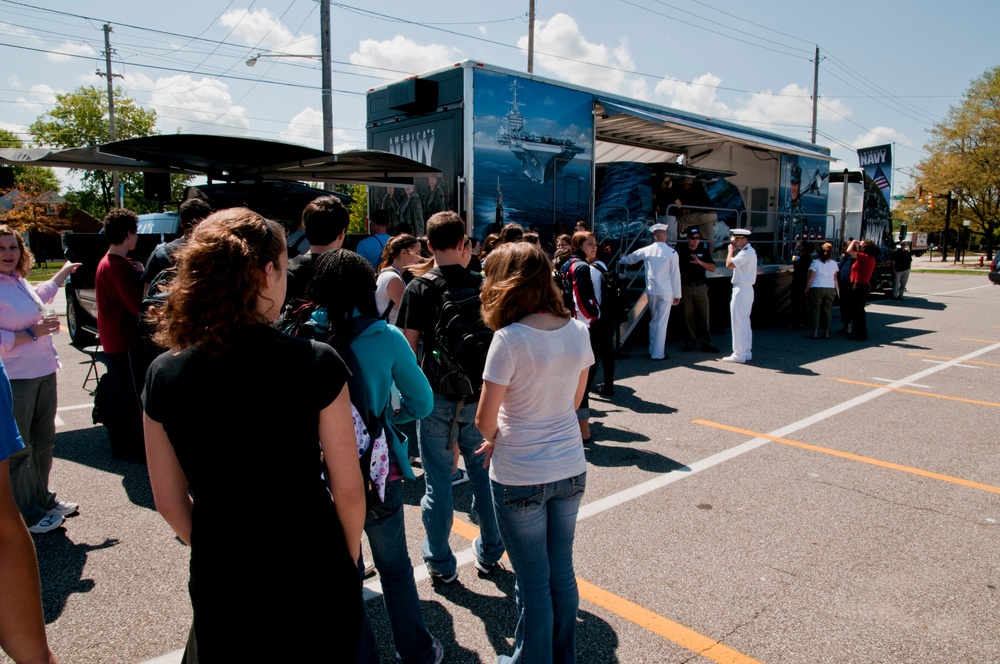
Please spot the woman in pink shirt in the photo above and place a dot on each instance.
(31, 361)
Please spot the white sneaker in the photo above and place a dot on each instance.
(63, 508)
(48, 522)
(733, 358)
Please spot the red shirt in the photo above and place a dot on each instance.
(861, 270)
(119, 293)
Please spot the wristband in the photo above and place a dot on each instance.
(31, 334)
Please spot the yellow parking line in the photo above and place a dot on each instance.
(657, 624)
(985, 341)
(668, 629)
(855, 457)
(923, 394)
(954, 359)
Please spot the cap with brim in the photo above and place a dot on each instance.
(739, 232)
(692, 232)
(658, 227)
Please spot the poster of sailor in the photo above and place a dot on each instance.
(533, 145)
(802, 198)
(876, 162)
(432, 142)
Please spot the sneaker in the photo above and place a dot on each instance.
(438, 576)
(63, 508)
(733, 358)
(486, 570)
(436, 647)
(460, 477)
(369, 570)
(48, 522)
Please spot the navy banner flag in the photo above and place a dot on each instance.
(877, 165)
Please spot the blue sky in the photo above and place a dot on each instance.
(889, 70)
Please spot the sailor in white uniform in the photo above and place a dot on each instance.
(663, 285)
(742, 259)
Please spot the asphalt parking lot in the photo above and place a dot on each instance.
(832, 501)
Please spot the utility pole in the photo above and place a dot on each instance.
(531, 35)
(816, 94)
(111, 105)
(324, 40)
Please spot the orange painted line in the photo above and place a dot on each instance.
(668, 629)
(985, 341)
(855, 457)
(464, 529)
(657, 624)
(954, 359)
(923, 394)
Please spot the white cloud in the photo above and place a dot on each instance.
(190, 104)
(880, 136)
(482, 30)
(63, 52)
(261, 29)
(403, 54)
(699, 96)
(40, 98)
(561, 34)
(19, 130)
(790, 106)
(13, 81)
(306, 128)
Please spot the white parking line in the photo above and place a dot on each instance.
(80, 406)
(893, 380)
(639, 490)
(963, 290)
(964, 366)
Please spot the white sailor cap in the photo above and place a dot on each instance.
(658, 227)
(739, 232)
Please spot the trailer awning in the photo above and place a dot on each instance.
(229, 158)
(626, 130)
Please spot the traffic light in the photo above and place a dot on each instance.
(930, 201)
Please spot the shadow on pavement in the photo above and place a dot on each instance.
(60, 564)
(89, 447)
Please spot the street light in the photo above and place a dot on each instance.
(253, 61)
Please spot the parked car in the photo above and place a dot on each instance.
(995, 269)
(88, 248)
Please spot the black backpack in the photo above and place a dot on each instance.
(614, 302)
(461, 339)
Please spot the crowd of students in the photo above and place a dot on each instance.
(486, 357)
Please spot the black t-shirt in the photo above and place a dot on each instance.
(901, 260)
(691, 273)
(245, 428)
(420, 306)
(161, 258)
(300, 273)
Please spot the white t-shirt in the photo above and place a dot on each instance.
(539, 437)
(826, 273)
(382, 300)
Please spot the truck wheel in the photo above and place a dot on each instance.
(79, 336)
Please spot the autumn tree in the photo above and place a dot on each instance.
(965, 159)
(80, 119)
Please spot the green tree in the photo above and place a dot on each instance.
(359, 208)
(33, 179)
(80, 119)
(965, 159)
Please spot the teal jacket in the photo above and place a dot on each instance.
(385, 358)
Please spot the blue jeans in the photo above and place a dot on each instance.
(437, 508)
(538, 523)
(387, 537)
